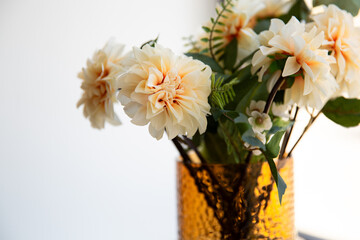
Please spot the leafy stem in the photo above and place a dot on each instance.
(215, 22)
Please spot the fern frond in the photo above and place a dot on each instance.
(232, 137)
(214, 46)
(222, 93)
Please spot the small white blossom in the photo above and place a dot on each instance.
(258, 106)
(260, 121)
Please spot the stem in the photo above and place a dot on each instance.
(288, 135)
(272, 94)
(193, 147)
(181, 150)
(311, 121)
(213, 29)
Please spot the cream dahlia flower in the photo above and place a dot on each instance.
(255, 150)
(342, 39)
(171, 92)
(314, 84)
(260, 121)
(99, 85)
(238, 24)
(275, 8)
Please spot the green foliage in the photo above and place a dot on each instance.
(345, 112)
(215, 67)
(262, 25)
(351, 6)
(192, 43)
(232, 137)
(280, 125)
(299, 10)
(150, 42)
(273, 147)
(280, 183)
(250, 89)
(213, 148)
(216, 46)
(230, 54)
(221, 93)
(249, 138)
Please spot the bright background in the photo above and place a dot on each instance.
(62, 180)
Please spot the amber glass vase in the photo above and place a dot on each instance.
(234, 201)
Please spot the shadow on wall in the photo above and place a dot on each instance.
(304, 236)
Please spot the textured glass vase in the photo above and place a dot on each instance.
(233, 202)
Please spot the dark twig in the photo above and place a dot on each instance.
(311, 121)
(181, 150)
(288, 135)
(193, 147)
(272, 94)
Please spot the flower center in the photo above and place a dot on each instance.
(165, 88)
(259, 120)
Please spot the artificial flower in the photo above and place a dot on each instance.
(342, 39)
(99, 85)
(169, 91)
(305, 62)
(260, 121)
(238, 23)
(258, 106)
(281, 110)
(275, 8)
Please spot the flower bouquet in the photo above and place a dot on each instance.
(231, 102)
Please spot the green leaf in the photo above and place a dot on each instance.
(299, 10)
(280, 183)
(248, 137)
(204, 39)
(351, 6)
(217, 113)
(230, 54)
(273, 147)
(215, 67)
(242, 118)
(345, 112)
(262, 25)
(217, 38)
(206, 29)
(205, 50)
(280, 125)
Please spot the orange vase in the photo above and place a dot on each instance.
(233, 202)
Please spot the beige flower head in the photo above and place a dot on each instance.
(305, 61)
(171, 92)
(99, 85)
(342, 39)
(238, 24)
(260, 121)
(275, 8)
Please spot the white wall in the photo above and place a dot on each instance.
(60, 179)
